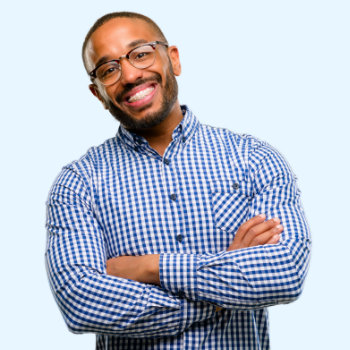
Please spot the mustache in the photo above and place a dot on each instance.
(128, 87)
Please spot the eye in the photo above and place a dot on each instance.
(140, 56)
(107, 70)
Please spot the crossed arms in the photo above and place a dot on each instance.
(145, 268)
(162, 295)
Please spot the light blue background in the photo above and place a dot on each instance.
(276, 69)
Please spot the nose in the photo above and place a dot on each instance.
(129, 73)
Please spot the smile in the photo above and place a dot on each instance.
(141, 96)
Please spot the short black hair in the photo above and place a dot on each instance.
(123, 14)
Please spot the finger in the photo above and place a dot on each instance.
(244, 228)
(259, 229)
(274, 240)
(269, 237)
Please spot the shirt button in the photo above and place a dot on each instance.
(184, 139)
(181, 294)
(166, 161)
(179, 238)
(235, 186)
(173, 197)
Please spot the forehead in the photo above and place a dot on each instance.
(115, 37)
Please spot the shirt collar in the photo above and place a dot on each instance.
(183, 132)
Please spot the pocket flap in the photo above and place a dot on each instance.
(228, 186)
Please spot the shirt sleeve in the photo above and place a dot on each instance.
(258, 276)
(89, 299)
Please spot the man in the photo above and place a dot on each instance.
(173, 234)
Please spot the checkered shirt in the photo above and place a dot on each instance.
(123, 198)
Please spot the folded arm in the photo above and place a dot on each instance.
(258, 276)
(89, 299)
(259, 268)
(145, 268)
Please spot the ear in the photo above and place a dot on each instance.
(173, 53)
(94, 90)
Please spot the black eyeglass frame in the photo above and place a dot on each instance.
(153, 44)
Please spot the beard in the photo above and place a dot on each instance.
(152, 119)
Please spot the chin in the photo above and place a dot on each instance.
(149, 120)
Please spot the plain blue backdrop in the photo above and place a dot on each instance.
(276, 69)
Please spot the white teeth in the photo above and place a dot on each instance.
(141, 94)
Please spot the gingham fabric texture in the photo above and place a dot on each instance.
(123, 198)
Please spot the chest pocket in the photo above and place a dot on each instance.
(230, 203)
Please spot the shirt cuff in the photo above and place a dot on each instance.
(178, 275)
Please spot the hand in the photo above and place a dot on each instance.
(143, 268)
(257, 231)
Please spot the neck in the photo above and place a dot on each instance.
(160, 136)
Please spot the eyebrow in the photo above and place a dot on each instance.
(136, 42)
(102, 60)
(131, 45)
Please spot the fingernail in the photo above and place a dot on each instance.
(276, 238)
(262, 215)
(276, 220)
(279, 227)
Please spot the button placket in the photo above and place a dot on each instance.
(170, 177)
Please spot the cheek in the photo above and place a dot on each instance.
(110, 93)
(163, 68)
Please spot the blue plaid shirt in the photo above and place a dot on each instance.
(123, 198)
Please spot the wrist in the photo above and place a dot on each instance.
(150, 269)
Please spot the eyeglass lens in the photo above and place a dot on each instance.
(141, 57)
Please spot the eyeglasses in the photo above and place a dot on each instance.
(141, 57)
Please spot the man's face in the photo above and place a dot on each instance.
(141, 98)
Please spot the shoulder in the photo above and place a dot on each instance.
(255, 153)
(244, 143)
